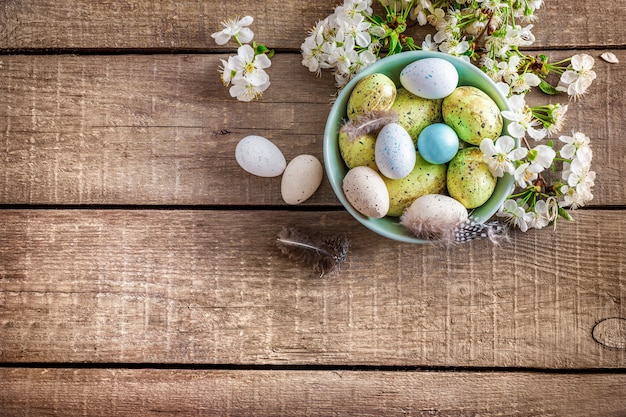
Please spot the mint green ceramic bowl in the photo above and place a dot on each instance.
(392, 66)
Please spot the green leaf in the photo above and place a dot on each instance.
(260, 49)
(393, 43)
(565, 214)
(548, 88)
(377, 19)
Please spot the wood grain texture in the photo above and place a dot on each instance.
(188, 24)
(210, 287)
(43, 392)
(195, 312)
(162, 129)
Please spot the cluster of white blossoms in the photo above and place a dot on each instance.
(245, 72)
(344, 42)
(490, 34)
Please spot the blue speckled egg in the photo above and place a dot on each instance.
(431, 78)
(394, 151)
(438, 143)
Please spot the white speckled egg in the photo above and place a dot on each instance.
(394, 151)
(259, 156)
(432, 78)
(301, 179)
(434, 216)
(365, 190)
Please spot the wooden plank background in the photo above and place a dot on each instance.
(187, 287)
(138, 269)
(162, 129)
(148, 392)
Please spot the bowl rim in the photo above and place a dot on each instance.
(391, 66)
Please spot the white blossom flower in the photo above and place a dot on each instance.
(419, 11)
(557, 114)
(245, 90)
(498, 44)
(580, 180)
(526, 173)
(501, 156)
(573, 144)
(227, 70)
(364, 59)
(507, 69)
(247, 73)
(542, 214)
(578, 172)
(313, 48)
(574, 197)
(454, 46)
(355, 27)
(235, 28)
(522, 83)
(542, 155)
(522, 120)
(492, 5)
(514, 213)
(354, 7)
(521, 36)
(578, 77)
(251, 66)
(428, 44)
(437, 18)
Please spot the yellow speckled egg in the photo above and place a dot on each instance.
(373, 92)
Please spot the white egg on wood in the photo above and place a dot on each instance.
(434, 216)
(394, 151)
(259, 156)
(302, 177)
(431, 78)
(366, 192)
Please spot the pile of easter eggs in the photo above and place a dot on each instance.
(301, 177)
(417, 139)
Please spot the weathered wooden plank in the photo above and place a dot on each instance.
(188, 24)
(146, 392)
(162, 129)
(210, 287)
(146, 129)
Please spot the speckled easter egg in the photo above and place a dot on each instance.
(366, 192)
(438, 143)
(469, 180)
(415, 113)
(394, 151)
(258, 156)
(431, 78)
(372, 93)
(434, 216)
(472, 114)
(426, 178)
(301, 179)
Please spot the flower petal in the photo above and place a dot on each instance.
(221, 37)
(609, 57)
(245, 35)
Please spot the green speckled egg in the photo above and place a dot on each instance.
(358, 151)
(472, 114)
(469, 179)
(415, 113)
(426, 178)
(373, 92)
